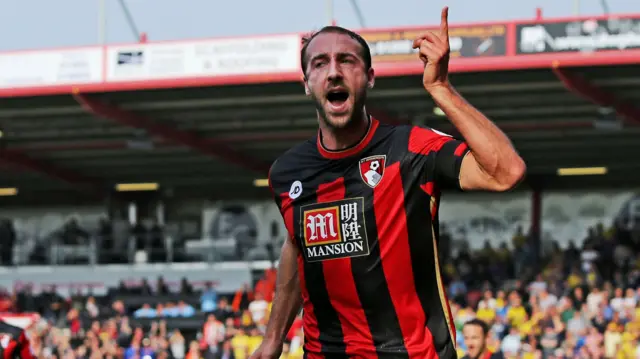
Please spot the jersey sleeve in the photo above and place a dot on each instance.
(280, 197)
(271, 184)
(436, 157)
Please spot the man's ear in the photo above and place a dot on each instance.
(307, 90)
(371, 78)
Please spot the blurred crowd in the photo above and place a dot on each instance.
(580, 302)
(89, 327)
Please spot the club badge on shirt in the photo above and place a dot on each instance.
(372, 169)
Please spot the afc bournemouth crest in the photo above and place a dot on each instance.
(372, 169)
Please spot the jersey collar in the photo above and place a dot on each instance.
(349, 151)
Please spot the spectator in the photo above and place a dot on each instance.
(457, 289)
(511, 343)
(630, 300)
(194, 351)
(546, 300)
(227, 351)
(258, 308)
(92, 307)
(145, 312)
(240, 343)
(212, 334)
(476, 333)
(146, 351)
(186, 288)
(178, 345)
(549, 342)
(577, 325)
(230, 329)
(208, 299)
(185, 310)
(223, 311)
(255, 338)
(161, 287)
(486, 314)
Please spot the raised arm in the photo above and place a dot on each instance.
(286, 304)
(492, 163)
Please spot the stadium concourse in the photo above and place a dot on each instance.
(99, 147)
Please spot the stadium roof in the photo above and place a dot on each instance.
(212, 136)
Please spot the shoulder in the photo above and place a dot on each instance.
(7, 328)
(416, 139)
(395, 136)
(414, 133)
(396, 132)
(423, 133)
(287, 166)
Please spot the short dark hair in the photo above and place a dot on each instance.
(479, 323)
(365, 53)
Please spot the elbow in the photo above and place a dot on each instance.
(513, 175)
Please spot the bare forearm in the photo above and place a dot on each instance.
(288, 299)
(491, 148)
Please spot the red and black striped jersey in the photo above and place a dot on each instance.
(365, 221)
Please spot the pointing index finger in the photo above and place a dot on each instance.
(444, 22)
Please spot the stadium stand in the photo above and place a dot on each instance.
(582, 302)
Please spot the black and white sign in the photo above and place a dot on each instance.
(51, 68)
(219, 57)
(130, 58)
(579, 36)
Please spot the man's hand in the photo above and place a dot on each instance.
(434, 53)
(267, 350)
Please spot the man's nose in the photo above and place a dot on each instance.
(335, 73)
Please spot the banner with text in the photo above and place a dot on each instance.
(469, 41)
(222, 57)
(579, 36)
(50, 68)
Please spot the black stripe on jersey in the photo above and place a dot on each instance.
(370, 280)
(328, 321)
(423, 259)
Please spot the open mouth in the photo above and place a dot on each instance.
(337, 97)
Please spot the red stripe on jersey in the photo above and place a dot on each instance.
(309, 320)
(428, 188)
(393, 237)
(341, 288)
(460, 149)
(425, 141)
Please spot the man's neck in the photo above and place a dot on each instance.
(342, 138)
